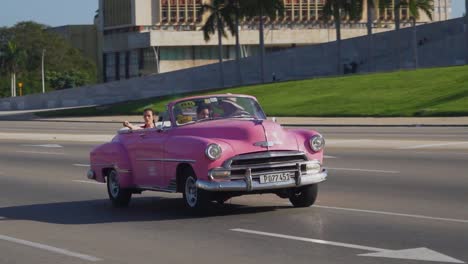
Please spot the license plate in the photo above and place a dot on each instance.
(276, 177)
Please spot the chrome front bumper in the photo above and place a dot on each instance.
(248, 184)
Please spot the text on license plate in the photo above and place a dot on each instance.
(276, 177)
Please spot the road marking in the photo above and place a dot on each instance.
(341, 141)
(365, 170)
(49, 248)
(44, 146)
(90, 182)
(434, 145)
(394, 214)
(81, 165)
(40, 152)
(422, 253)
(329, 157)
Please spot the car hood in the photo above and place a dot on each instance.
(244, 135)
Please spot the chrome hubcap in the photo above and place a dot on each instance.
(191, 191)
(114, 187)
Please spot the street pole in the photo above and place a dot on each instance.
(43, 81)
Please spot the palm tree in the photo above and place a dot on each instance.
(466, 31)
(220, 16)
(235, 7)
(338, 9)
(372, 5)
(427, 6)
(12, 58)
(260, 9)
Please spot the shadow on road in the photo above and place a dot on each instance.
(140, 209)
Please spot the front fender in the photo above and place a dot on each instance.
(303, 136)
(191, 149)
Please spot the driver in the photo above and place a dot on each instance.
(203, 112)
(149, 117)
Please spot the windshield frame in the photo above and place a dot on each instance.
(171, 106)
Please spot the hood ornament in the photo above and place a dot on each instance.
(267, 144)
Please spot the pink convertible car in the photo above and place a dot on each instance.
(212, 148)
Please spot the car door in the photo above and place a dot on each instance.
(149, 155)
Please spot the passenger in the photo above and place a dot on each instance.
(203, 112)
(230, 107)
(149, 116)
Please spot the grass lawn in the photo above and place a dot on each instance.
(427, 92)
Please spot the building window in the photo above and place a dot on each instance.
(164, 11)
(117, 66)
(198, 14)
(304, 10)
(288, 7)
(173, 10)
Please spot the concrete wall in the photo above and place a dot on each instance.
(439, 44)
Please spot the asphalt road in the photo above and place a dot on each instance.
(380, 204)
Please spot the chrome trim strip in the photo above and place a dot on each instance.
(122, 170)
(103, 164)
(168, 160)
(157, 189)
(243, 185)
(113, 166)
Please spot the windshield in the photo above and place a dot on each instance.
(217, 107)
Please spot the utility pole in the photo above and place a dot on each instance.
(43, 81)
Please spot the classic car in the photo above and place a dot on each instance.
(211, 148)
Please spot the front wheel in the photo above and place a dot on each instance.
(304, 196)
(194, 197)
(119, 197)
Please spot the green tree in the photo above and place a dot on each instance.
(12, 58)
(33, 38)
(220, 17)
(260, 9)
(68, 79)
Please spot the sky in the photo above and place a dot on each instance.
(75, 12)
(49, 12)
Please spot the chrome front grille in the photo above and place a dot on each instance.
(266, 162)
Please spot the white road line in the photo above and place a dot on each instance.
(421, 253)
(341, 141)
(49, 248)
(44, 146)
(434, 145)
(365, 170)
(394, 214)
(329, 157)
(318, 241)
(81, 165)
(90, 182)
(40, 152)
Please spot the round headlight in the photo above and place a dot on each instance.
(317, 143)
(213, 151)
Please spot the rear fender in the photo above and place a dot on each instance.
(110, 156)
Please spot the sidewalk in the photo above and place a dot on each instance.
(287, 121)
